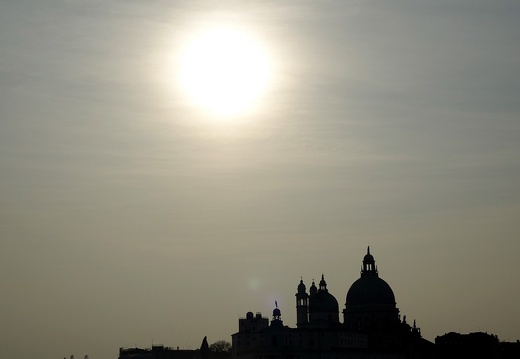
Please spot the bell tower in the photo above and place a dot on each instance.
(302, 305)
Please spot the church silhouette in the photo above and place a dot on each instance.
(371, 327)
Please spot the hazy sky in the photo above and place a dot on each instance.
(131, 215)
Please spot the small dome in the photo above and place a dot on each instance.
(323, 302)
(368, 258)
(277, 312)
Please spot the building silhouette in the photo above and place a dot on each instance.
(162, 352)
(476, 345)
(371, 327)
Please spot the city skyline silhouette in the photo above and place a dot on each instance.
(168, 166)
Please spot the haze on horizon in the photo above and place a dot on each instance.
(130, 214)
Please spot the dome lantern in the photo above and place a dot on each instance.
(369, 265)
(323, 284)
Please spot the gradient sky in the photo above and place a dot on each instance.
(129, 216)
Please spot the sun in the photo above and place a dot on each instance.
(224, 71)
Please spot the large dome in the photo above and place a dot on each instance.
(370, 303)
(370, 290)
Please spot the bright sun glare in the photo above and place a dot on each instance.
(224, 71)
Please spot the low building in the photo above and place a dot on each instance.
(475, 345)
(162, 352)
(158, 352)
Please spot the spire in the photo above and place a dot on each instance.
(204, 347)
(302, 302)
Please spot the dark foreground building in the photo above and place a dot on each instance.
(371, 327)
(162, 352)
(476, 346)
(158, 352)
